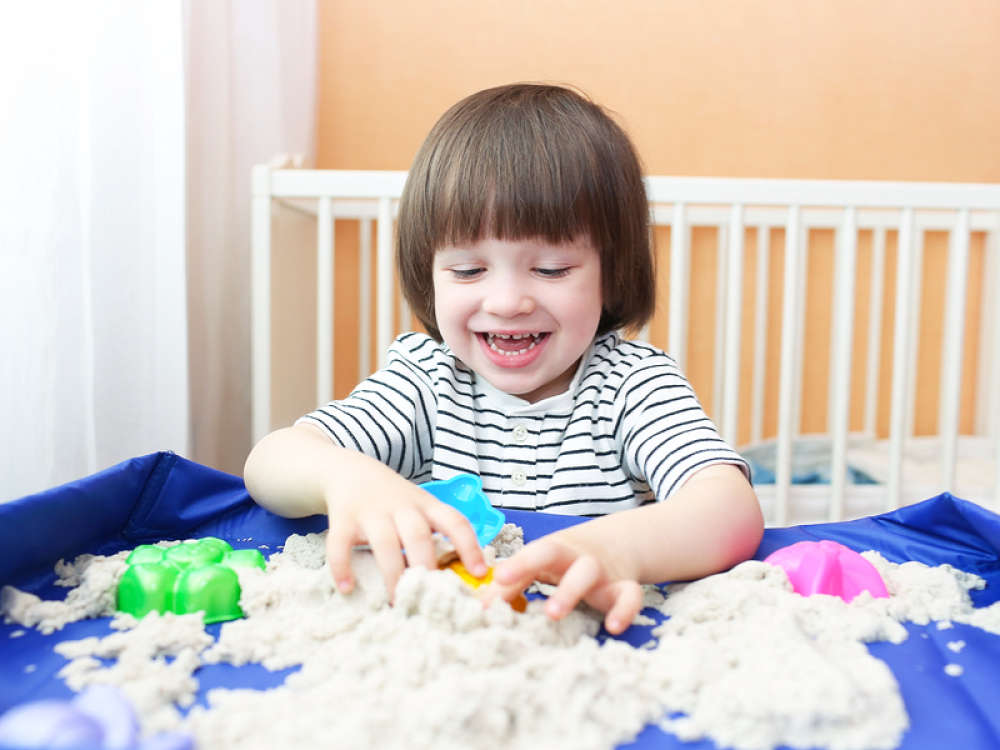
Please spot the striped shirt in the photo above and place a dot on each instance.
(629, 430)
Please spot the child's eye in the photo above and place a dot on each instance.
(552, 273)
(465, 273)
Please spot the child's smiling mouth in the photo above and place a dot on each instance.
(512, 349)
(512, 343)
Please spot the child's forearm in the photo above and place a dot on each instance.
(296, 471)
(709, 525)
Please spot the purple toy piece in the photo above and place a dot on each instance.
(100, 717)
(828, 567)
(49, 724)
(109, 707)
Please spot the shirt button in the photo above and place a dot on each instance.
(519, 477)
(520, 433)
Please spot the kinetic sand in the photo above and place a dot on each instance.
(749, 663)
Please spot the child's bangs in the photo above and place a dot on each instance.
(516, 187)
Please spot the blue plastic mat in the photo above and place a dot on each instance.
(163, 496)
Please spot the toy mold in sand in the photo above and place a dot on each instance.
(198, 575)
(828, 567)
(464, 492)
(518, 604)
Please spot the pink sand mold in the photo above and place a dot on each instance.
(828, 567)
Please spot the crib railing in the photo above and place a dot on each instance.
(733, 208)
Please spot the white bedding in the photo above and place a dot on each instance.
(975, 466)
(921, 475)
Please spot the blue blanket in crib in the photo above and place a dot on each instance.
(811, 460)
(163, 496)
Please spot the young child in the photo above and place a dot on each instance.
(523, 248)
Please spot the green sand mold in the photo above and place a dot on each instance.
(194, 576)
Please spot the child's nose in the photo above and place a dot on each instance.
(507, 300)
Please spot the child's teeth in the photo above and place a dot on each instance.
(491, 338)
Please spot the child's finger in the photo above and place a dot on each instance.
(541, 560)
(339, 541)
(416, 537)
(457, 528)
(580, 578)
(627, 605)
(495, 590)
(384, 543)
(529, 563)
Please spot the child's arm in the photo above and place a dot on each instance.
(297, 471)
(711, 523)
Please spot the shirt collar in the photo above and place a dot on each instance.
(514, 405)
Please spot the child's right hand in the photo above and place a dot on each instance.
(296, 471)
(393, 516)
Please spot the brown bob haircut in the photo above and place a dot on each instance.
(529, 161)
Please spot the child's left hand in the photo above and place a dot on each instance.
(710, 523)
(582, 574)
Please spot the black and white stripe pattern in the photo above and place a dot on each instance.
(628, 431)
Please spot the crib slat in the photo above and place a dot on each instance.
(260, 302)
(987, 399)
(760, 334)
(365, 300)
(991, 360)
(734, 311)
(790, 308)
(840, 383)
(324, 301)
(874, 330)
(719, 341)
(913, 332)
(800, 325)
(951, 348)
(383, 278)
(680, 260)
(901, 345)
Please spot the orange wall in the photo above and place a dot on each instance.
(904, 90)
(785, 88)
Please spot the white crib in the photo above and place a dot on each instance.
(907, 467)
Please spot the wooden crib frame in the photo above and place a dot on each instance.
(732, 207)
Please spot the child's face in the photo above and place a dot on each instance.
(520, 313)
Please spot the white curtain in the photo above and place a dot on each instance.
(251, 96)
(93, 356)
(128, 131)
